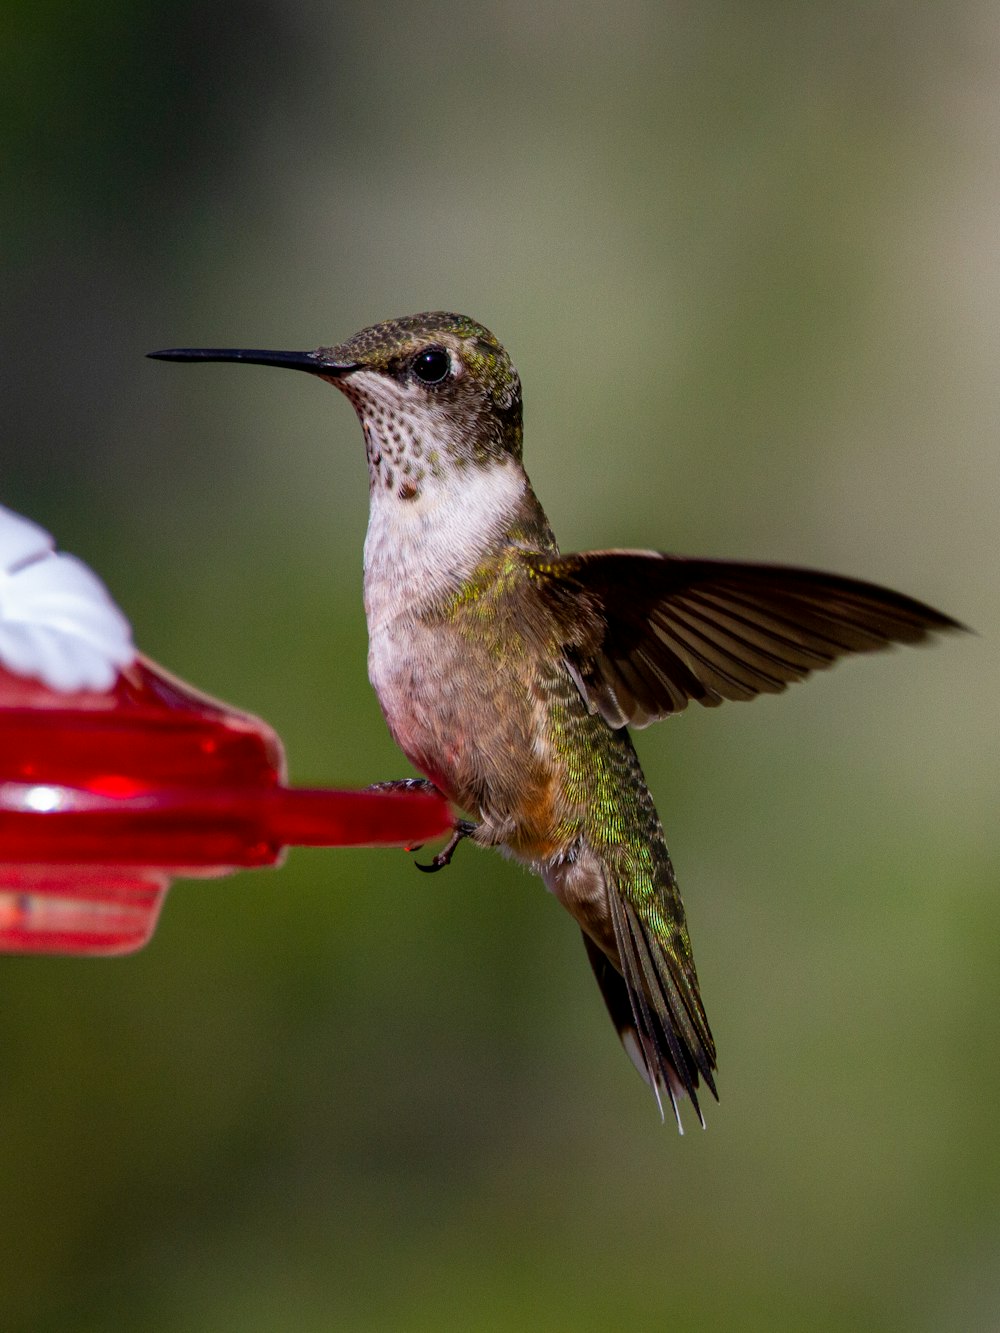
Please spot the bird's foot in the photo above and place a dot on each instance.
(464, 828)
(407, 784)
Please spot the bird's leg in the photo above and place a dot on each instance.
(464, 828)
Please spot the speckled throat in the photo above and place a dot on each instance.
(407, 443)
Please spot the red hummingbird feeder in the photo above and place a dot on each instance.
(115, 777)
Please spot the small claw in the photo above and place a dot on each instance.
(404, 784)
(463, 829)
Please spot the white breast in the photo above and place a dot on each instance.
(416, 550)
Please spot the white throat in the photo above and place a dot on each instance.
(418, 549)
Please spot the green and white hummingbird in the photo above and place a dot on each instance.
(509, 673)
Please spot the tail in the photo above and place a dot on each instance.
(652, 994)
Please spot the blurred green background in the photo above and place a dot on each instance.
(745, 258)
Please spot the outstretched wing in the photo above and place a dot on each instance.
(645, 633)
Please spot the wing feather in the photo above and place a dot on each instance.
(646, 633)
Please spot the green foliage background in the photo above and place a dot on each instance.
(745, 258)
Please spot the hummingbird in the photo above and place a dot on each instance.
(510, 673)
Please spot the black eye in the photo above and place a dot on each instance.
(432, 365)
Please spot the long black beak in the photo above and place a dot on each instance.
(314, 362)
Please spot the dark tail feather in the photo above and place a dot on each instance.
(655, 1052)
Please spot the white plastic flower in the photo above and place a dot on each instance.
(57, 620)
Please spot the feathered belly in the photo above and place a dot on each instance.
(477, 727)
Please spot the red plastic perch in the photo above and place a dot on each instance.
(115, 776)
